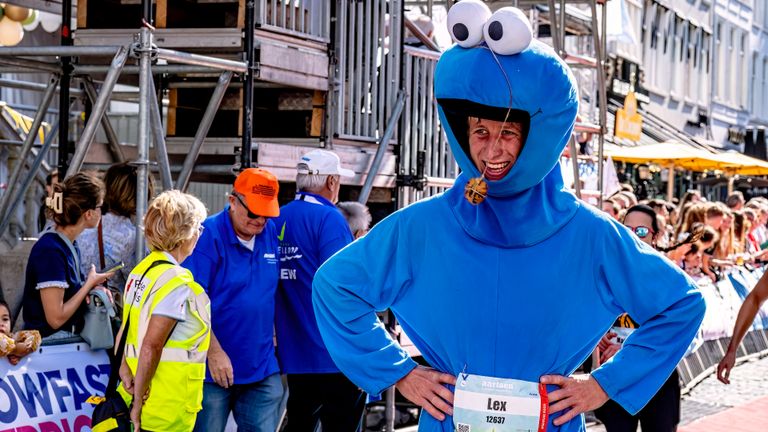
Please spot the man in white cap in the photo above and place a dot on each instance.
(310, 230)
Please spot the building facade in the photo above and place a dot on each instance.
(700, 67)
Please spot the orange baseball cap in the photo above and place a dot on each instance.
(259, 188)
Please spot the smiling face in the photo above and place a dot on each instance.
(494, 146)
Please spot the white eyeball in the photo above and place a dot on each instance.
(508, 31)
(465, 22)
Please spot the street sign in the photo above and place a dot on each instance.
(629, 124)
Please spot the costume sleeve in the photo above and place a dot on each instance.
(366, 276)
(667, 305)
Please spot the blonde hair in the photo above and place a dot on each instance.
(172, 218)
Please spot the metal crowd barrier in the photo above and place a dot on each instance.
(723, 300)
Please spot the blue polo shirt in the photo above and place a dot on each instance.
(311, 229)
(241, 285)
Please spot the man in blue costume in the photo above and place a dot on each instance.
(506, 282)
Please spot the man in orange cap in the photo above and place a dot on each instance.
(236, 261)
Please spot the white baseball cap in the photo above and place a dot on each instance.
(322, 162)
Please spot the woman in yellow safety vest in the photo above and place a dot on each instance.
(167, 317)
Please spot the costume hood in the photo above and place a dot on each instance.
(529, 204)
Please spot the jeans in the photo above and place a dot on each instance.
(255, 407)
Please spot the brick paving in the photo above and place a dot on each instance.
(712, 406)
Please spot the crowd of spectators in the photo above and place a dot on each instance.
(705, 238)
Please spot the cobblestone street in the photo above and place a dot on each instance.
(748, 389)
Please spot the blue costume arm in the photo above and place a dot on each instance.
(367, 276)
(667, 305)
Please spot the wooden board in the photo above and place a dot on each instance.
(281, 158)
(291, 61)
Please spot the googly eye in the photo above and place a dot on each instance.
(465, 22)
(508, 31)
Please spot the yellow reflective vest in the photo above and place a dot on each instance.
(176, 389)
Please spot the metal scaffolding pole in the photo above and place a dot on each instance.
(145, 77)
(27, 182)
(109, 131)
(199, 60)
(33, 86)
(29, 140)
(553, 30)
(599, 32)
(202, 131)
(161, 151)
(66, 76)
(30, 64)
(156, 69)
(246, 152)
(383, 143)
(99, 108)
(60, 51)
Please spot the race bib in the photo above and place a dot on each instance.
(485, 404)
(622, 333)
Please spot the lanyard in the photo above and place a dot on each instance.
(308, 198)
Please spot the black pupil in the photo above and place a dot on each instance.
(460, 32)
(495, 30)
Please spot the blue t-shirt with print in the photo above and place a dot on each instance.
(311, 229)
(51, 264)
(241, 285)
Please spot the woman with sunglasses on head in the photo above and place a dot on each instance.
(55, 289)
(662, 413)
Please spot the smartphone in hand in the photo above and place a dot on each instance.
(114, 268)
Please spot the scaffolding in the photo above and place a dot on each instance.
(150, 123)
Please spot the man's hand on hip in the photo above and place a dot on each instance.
(426, 388)
(220, 367)
(579, 393)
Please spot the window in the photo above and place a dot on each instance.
(756, 85)
(705, 72)
(764, 90)
(721, 62)
(742, 79)
(731, 84)
(666, 65)
(692, 62)
(651, 36)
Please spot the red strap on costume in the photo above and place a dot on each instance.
(544, 411)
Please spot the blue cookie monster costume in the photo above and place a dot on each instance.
(521, 285)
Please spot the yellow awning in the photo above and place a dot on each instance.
(667, 153)
(737, 163)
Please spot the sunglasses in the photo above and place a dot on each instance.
(640, 231)
(251, 215)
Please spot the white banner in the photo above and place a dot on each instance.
(47, 390)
